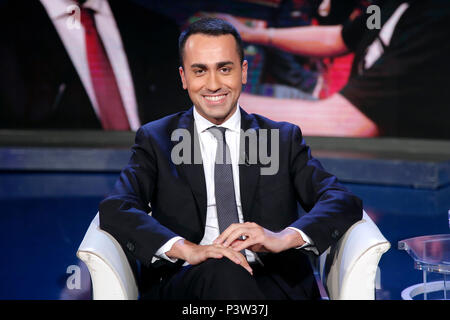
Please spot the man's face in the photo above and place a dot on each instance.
(213, 75)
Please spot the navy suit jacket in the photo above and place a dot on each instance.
(176, 195)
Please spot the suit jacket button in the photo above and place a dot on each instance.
(130, 246)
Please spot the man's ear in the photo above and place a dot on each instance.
(244, 71)
(183, 78)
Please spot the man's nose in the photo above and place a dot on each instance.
(213, 82)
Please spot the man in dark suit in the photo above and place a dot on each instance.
(46, 81)
(222, 227)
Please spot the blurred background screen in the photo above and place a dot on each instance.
(113, 65)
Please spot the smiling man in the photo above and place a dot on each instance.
(220, 229)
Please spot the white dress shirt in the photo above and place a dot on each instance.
(208, 146)
(71, 32)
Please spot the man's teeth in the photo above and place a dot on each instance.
(214, 98)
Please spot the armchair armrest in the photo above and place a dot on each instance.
(348, 269)
(111, 274)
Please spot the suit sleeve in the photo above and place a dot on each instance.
(124, 213)
(331, 208)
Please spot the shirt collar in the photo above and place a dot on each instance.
(62, 8)
(232, 124)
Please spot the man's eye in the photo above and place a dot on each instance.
(199, 72)
(225, 70)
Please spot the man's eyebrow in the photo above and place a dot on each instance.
(224, 63)
(218, 64)
(199, 65)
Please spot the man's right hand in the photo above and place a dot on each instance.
(195, 254)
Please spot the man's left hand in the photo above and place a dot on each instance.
(258, 239)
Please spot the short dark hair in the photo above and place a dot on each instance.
(212, 27)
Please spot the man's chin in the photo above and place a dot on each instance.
(217, 112)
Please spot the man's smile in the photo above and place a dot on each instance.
(215, 99)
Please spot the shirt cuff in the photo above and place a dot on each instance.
(309, 244)
(161, 253)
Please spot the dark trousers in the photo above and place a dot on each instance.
(222, 279)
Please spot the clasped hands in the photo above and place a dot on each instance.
(236, 237)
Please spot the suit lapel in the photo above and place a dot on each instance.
(248, 173)
(194, 172)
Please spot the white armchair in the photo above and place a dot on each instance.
(111, 274)
(347, 270)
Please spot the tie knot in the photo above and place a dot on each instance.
(87, 17)
(218, 132)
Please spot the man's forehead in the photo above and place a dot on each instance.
(207, 49)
